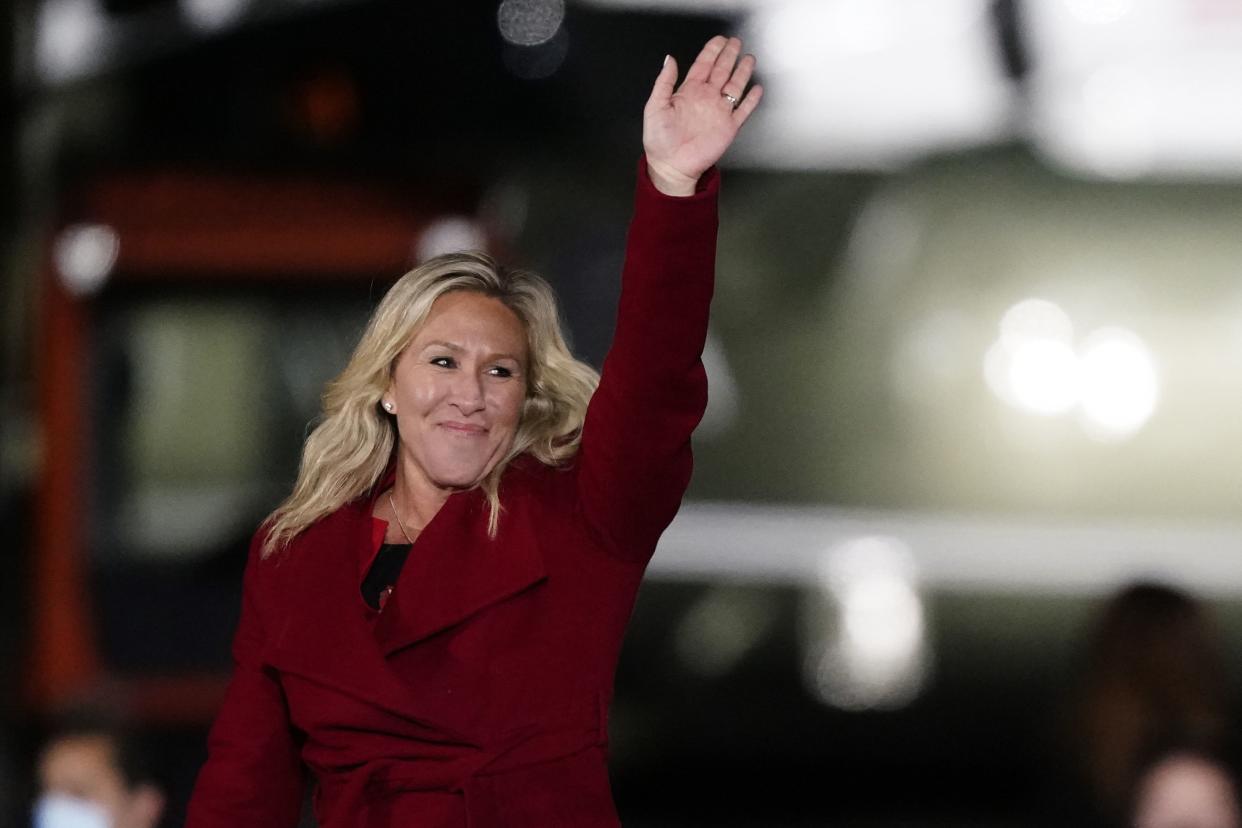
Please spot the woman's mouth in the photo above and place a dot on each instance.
(464, 429)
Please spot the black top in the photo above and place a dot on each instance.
(383, 573)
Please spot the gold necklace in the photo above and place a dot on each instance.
(393, 504)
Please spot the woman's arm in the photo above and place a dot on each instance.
(253, 775)
(635, 459)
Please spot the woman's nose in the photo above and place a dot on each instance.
(468, 391)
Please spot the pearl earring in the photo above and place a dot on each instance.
(388, 406)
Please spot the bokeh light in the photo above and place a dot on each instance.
(1032, 364)
(1037, 319)
(84, 256)
(451, 234)
(867, 637)
(529, 22)
(1120, 388)
(69, 39)
(1099, 12)
(1110, 378)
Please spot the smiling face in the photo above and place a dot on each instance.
(457, 391)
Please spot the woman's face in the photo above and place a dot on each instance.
(458, 388)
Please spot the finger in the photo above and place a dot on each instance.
(741, 76)
(723, 67)
(747, 105)
(702, 66)
(665, 82)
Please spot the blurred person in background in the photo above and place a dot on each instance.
(94, 773)
(1155, 676)
(1185, 788)
(431, 621)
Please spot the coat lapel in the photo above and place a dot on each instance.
(455, 570)
(322, 613)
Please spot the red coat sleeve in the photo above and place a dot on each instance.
(253, 775)
(635, 459)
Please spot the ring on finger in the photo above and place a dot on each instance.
(730, 98)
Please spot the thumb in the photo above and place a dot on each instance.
(662, 91)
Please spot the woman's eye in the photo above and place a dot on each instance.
(500, 371)
(443, 362)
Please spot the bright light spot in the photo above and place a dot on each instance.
(883, 619)
(868, 635)
(1039, 375)
(1120, 388)
(84, 256)
(1037, 319)
(529, 22)
(69, 41)
(873, 83)
(785, 33)
(1099, 11)
(861, 25)
(1032, 364)
(798, 35)
(801, 34)
(211, 15)
(1131, 88)
(449, 235)
(1117, 133)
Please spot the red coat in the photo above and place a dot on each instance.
(479, 697)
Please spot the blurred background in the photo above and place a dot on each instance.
(974, 368)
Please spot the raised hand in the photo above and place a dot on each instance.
(687, 130)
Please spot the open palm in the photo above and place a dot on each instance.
(686, 131)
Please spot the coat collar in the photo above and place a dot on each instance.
(454, 570)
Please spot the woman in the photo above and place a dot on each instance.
(468, 684)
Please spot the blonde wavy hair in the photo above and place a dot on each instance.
(355, 439)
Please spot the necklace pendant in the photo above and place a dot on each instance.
(383, 597)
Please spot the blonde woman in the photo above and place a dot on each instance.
(431, 621)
